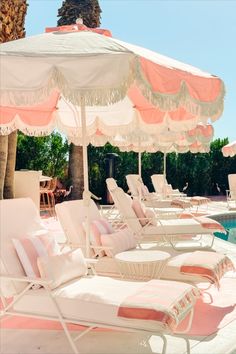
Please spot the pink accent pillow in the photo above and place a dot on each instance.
(119, 241)
(62, 268)
(144, 190)
(30, 248)
(97, 228)
(137, 207)
(151, 216)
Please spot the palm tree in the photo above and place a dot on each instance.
(90, 12)
(12, 19)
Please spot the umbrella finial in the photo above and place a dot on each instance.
(79, 21)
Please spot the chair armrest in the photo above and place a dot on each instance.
(91, 260)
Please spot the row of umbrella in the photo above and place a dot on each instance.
(48, 80)
(95, 88)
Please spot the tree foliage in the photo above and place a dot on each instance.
(49, 154)
(201, 171)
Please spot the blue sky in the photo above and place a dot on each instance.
(201, 33)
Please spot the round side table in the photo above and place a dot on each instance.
(142, 264)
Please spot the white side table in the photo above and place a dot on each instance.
(142, 264)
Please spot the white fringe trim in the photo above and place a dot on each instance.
(91, 97)
(18, 124)
(170, 102)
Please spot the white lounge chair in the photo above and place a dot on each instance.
(231, 192)
(72, 215)
(168, 230)
(153, 200)
(162, 187)
(92, 301)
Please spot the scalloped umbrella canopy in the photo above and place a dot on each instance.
(229, 150)
(89, 69)
(84, 65)
(195, 140)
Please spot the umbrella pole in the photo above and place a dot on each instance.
(84, 143)
(164, 172)
(140, 164)
(86, 193)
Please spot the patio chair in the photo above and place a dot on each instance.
(154, 200)
(231, 192)
(91, 301)
(162, 187)
(47, 198)
(72, 215)
(165, 230)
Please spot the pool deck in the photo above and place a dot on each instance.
(31, 341)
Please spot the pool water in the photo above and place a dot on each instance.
(230, 226)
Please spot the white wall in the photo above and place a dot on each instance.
(27, 184)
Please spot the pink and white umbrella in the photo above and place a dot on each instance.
(195, 141)
(229, 150)
(89, 69)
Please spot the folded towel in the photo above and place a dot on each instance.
(164, 301)
(210, 265)
(210, 224)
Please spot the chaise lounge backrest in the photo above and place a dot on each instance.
(18, 218)
(232, 185)
(158, 182)
(133, 181)
(71, 215)
(123, 202)
(111, 183)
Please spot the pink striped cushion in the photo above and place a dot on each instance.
(144, 190)
(97, 228)
(119, 241)
(137, 208)
(30, 248)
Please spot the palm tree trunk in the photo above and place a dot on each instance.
(3, 162)
(76, 173)
(12, 19)
(90, 12)
(10, 167)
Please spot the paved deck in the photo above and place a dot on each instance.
(22, 341)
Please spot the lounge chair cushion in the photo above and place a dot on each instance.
(30, 248)
(95, 300)
(119, 241)
(97, 228)
(144, 190)
(63, 267)
(151, 217)
(137, 207)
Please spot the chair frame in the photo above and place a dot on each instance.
(165, 237)
(8, 310)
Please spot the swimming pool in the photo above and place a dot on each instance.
(229, 222)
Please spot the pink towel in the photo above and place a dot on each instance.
(162, 301)
(210, 224)
(210, 265)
